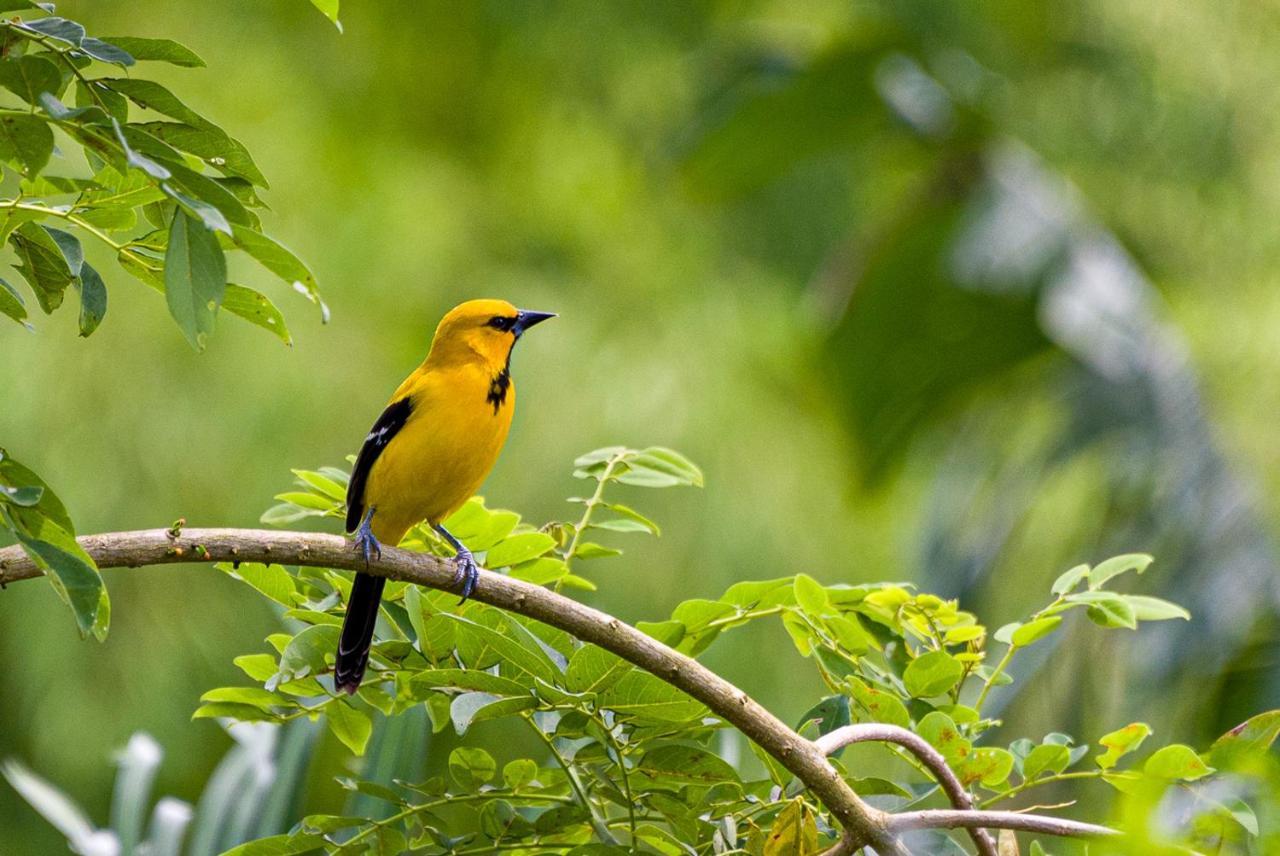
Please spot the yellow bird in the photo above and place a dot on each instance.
(429, 451)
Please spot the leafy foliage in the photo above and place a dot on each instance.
(167, 198)
(630, 761)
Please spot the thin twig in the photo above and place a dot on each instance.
(930, 757)
(953, 819)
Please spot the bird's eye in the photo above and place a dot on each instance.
(501, 322)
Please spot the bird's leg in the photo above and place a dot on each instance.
(365, 542)
(465, 572)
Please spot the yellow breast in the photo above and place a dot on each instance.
(445, 450)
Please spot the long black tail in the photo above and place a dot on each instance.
(357, 632)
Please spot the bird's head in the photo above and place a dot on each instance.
(484, 329)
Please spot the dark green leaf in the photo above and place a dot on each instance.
(93, 299)
(1049, 758)
(160, 50)
(28, 76)
(210, 144)
(25, 140)
(42, 264)
(56, 28)
(11, 302)
(195, 278)
(284, 264)
(150, 95)
(256, 309)
(594, 670)
(676, 766)
(105, 51)
(642, 696)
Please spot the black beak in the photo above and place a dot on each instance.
(526, 318)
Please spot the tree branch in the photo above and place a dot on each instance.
(864, 825)
(952, 819)
(918, 746)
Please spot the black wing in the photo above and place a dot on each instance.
(387, 426)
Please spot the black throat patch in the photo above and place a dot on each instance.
(498, 387)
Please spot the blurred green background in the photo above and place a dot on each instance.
(936, 292)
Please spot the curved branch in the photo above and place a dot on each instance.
(930, 757)
(865, 824)
(952, 819)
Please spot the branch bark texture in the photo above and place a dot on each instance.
(864, 824)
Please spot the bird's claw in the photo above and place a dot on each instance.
(465, 574)
(366, 544)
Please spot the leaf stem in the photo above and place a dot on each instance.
(601, 829)
(1034, 783)
(626, 777)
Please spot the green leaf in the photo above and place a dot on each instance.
(516, 774)
(93, 299)
(1121, 742)
(1250, 739)
(159, 50)
(1029, 634)
(631, 515)
(880, 706)
(640, 695)
(471, 767)
(305, 654)
(1154, 609)
(1117, 565)
(279, 845)
(70, 569)
(210, 144)
(11, 302)
(592, 550)
(259, 667)
(1070, 579)
(25, 140)
(793, 833)
(470, 708)
(592, 669)
(519, 548)
(195, 278)
(811, 596)
(106, 52)
(257, 309)
(932, 674)
(272, 580)
(41, 264)
(349, 725)
(1177, 762)
(942, 734)
(150, 95)
(1049, 758)
(468, 679)
(330, 10)
(232, 710)
(676, 766)
(252, 696)
(481, 647)
(55, 28)
(25, 496)
(273, 256)
(1106, 609)
(989, 765)
(27, 76)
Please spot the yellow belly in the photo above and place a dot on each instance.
(442, 455)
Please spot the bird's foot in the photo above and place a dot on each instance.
(366, 543)
(465, 574)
